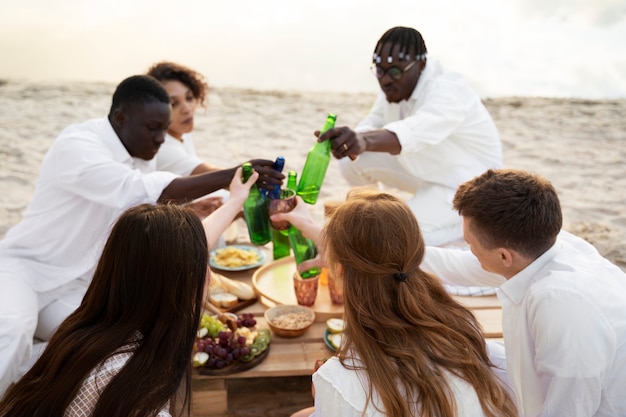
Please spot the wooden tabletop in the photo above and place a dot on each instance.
(296, 356)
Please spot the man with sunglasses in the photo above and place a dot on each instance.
(426, 134)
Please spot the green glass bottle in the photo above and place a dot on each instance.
(255, 211)
(280, 243)
(292, 180)
(280, 238)
(315, 166)
(303, 250)
(292, 184)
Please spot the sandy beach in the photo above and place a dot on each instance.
(580, 145)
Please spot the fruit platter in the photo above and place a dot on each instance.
(223, 348)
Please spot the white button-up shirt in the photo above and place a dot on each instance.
(447, 135)
(564, 325)
(87, 180)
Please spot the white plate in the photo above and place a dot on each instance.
(238, 268)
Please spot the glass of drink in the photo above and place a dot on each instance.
(335, 288)
(284, 204)
(305, 288)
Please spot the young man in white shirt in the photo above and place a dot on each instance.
(426, 133)
(563, 304)
(92, 173)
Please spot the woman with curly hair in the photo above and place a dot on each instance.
(187, 89)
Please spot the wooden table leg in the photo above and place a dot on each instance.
(209, 397)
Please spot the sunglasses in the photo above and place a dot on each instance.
(394, 72)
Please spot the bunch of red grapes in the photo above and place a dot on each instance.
(246, 320)
(223, 351)
(227, 347)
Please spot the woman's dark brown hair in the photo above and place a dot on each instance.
(150, 279)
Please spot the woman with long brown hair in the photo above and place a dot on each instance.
(126, 350)
(409, 349)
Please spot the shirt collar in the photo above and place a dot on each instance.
(118, 150)
(516, 287)
(120, 154)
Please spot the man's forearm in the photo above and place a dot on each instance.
(185, 189)
(381, 141)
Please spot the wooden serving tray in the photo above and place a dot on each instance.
(274, 284)
(239, 306)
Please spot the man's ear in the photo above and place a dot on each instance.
(506, 257)
(119, 117)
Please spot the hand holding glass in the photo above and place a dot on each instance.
(284, 204)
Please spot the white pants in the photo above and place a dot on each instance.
(431, 203)
(24, 314)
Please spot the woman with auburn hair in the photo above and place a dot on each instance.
(408, 348)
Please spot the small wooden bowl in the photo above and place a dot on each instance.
(273, 313)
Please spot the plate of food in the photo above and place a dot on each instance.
(221, 350)
(236, 258)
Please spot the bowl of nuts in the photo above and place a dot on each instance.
(289, 320)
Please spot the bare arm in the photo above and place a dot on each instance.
(302, 220)
(220, 219)
(203, 168)
(185, 189)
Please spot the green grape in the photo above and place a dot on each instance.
(212, 324)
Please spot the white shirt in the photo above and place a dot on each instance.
(447, 135)
(341, 392)
(564, 324)
(176, 156)
(87, 180)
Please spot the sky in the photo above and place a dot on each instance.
(555, 48)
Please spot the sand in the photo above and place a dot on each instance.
(579, 145)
